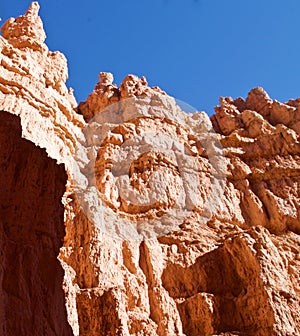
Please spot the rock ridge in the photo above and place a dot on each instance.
(199, 235)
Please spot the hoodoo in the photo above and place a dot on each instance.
(124, 215)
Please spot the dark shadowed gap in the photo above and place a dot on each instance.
(32, 301)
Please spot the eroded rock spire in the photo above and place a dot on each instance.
(26, 30)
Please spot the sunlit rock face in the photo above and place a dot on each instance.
(124, 215)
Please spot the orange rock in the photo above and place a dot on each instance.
(132, 217)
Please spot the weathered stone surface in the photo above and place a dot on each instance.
(31, 235)
(32, 85)
(106, 93)
(190, 238)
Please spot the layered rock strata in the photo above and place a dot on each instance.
(123, 215)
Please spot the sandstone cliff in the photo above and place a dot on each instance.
(123, 215)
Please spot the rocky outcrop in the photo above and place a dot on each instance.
(261, 138)
(126, 216)
(106, 93)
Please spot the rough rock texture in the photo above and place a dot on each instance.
(31, 233)
(230, 265)
(106, 93)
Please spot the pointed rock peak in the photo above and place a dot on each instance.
(258, 100)
(105, 78)
(33, 10)
(26, 30)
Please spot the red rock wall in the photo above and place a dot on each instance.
(81, 254)
(31, 234)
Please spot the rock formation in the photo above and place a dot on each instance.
(123, 215)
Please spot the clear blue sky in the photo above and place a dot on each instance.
(196, 50)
